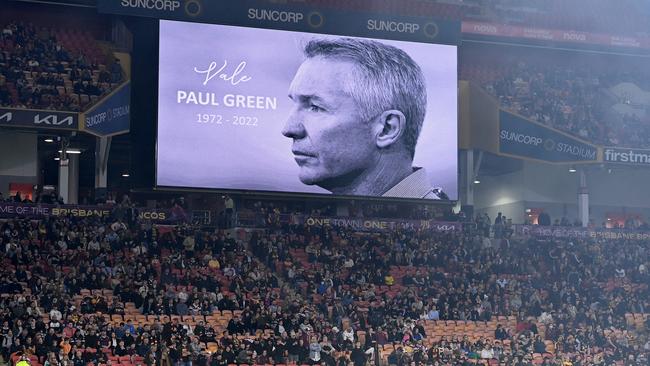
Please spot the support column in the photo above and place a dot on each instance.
(69, 178)
(583, 199)
(102, 149)
(469, 171)
(68, 174)
(73, 180)
(64, 178)
(467, 177)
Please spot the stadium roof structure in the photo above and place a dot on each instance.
(84, 3)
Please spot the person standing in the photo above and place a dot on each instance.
(229, 205)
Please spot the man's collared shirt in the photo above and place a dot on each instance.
(416, 185)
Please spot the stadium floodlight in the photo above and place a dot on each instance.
(72, 151)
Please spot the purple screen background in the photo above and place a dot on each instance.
(227, 156)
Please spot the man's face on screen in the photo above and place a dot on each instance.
(331, 142)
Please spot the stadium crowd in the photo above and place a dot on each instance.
(37, 71)
(571, 100)
(107, 291)
(570, 288)
(117, 290)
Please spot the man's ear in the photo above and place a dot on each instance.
(390, 126)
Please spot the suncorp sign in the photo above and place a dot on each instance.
(152, 8)
(168, 5)
(287, 15)
(520, 138)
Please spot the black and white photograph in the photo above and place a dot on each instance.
(272, 110)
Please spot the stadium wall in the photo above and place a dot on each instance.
(623, 190)
(553, 189)
(536, 185)
(501, 193)
(18, 159)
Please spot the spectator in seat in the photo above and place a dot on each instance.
(86, 76)
(539, 346)
(263, 358)
(347, 337)
(314, 351)
(396, 357)
(244, 354)
(487, 352)
(104, 77)
(358, 356)
(116, 71)
(181, 308)
(389, 280)
(79, 87)
(93, 89)
(500, 333)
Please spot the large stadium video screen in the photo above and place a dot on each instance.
(281, 111)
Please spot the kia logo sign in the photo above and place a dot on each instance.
(15, 117)
(52, 120)
(445, 227)
(7, 117)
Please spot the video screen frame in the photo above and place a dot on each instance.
(435, 194)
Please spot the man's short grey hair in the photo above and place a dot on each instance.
(389, 79)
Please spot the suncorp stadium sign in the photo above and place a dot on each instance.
(521, 137)
(112, 115)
